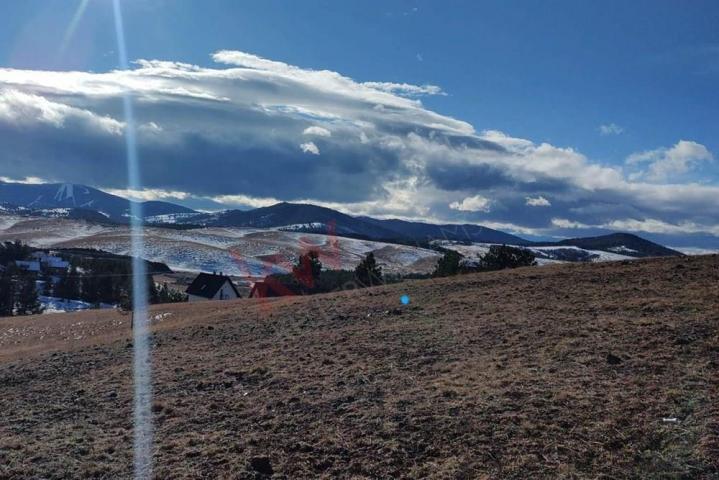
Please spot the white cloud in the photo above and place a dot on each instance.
(254, 202)
(405, 89)
(477, 203)
(148, 194)
(310, 147)
(224, 132)
(26, 180)
(653, 225)
(23, 109)
(647, 225)
(317, 131)
(564, 223)
(538, 201)
(610, 129)
(663, 163)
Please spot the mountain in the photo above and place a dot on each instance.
(79, 201)
(622, 243)
(296, 217)
(314, 219)
(419, 231)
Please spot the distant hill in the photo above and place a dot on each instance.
(314, 219)
(419, 231)
(298, 217)
(623, 243)
(80, 201)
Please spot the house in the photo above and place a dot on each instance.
(269, 288)
(51, 263)
(211, 286)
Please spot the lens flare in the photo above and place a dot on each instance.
(142, 370)
(77, 16)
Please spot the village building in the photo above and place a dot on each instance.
(211, 286)
(269, 287)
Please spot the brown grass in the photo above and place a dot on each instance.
(501, 375)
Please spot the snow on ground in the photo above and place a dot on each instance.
(59, 305)
(45, 232)
(561, 252)
(622, 249)
(234, 251)
(696, 251)
(545, 255)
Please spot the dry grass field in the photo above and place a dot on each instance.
(598, 371)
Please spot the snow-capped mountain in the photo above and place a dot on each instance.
(78, 201)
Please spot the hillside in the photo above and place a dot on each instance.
(567, 371)
(315, 219)
(622, 243)
(234, 251)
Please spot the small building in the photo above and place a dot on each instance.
(211, 286)
(54, 264)
(270, 288)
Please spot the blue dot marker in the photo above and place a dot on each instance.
(404, 299)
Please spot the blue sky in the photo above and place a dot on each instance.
(545, 72)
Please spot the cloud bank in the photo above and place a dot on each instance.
(251, 130)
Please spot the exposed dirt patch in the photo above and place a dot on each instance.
(572, 371)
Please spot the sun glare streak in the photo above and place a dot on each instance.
(142, 371)
(72, 26)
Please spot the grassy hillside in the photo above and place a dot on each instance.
(563, 371)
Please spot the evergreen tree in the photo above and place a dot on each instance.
(69, 286)
(368, 272)
(448, 265)
(89, 289)
(308, 269)
(7, 295)
(503, 256)
(27, 301)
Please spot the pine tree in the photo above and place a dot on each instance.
(7, 295)
(308, 269)
(503, 256)
(69, 286)
(27, 300)
(368, 272)
(448, 265)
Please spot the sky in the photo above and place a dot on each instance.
(545, 119)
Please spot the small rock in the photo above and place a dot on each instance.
(261, 465)
(613, 359)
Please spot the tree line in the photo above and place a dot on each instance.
(105, 279)
(308, 277)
